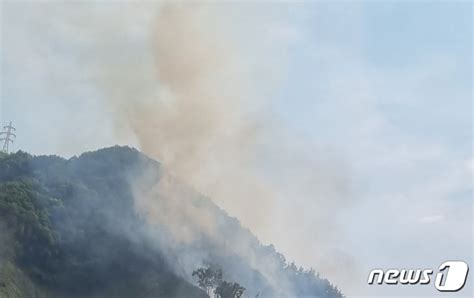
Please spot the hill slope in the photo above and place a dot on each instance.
(111, 223)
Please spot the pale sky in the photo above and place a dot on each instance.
(381, 91)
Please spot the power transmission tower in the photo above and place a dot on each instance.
(7, 136)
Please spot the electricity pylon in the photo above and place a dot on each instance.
(7, 136)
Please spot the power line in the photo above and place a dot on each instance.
(8, 136)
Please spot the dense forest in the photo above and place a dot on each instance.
(75, 228)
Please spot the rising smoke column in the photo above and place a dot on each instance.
(192, 106)
(193, 102)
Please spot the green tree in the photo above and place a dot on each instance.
(208, 278)
(211, 280)
(229, 290)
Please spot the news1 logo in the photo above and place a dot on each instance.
(451, 276)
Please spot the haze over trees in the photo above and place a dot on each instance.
(72, 228)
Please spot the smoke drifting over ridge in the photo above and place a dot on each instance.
(190, 87)
(91, 66)
(194, 104)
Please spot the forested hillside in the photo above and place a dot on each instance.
(98, 226)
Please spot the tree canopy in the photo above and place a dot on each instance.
(211, 280)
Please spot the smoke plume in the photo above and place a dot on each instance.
(193, 103)
(193, 107)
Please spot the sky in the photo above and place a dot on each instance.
(375, 97)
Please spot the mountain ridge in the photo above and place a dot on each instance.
(89, 217)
